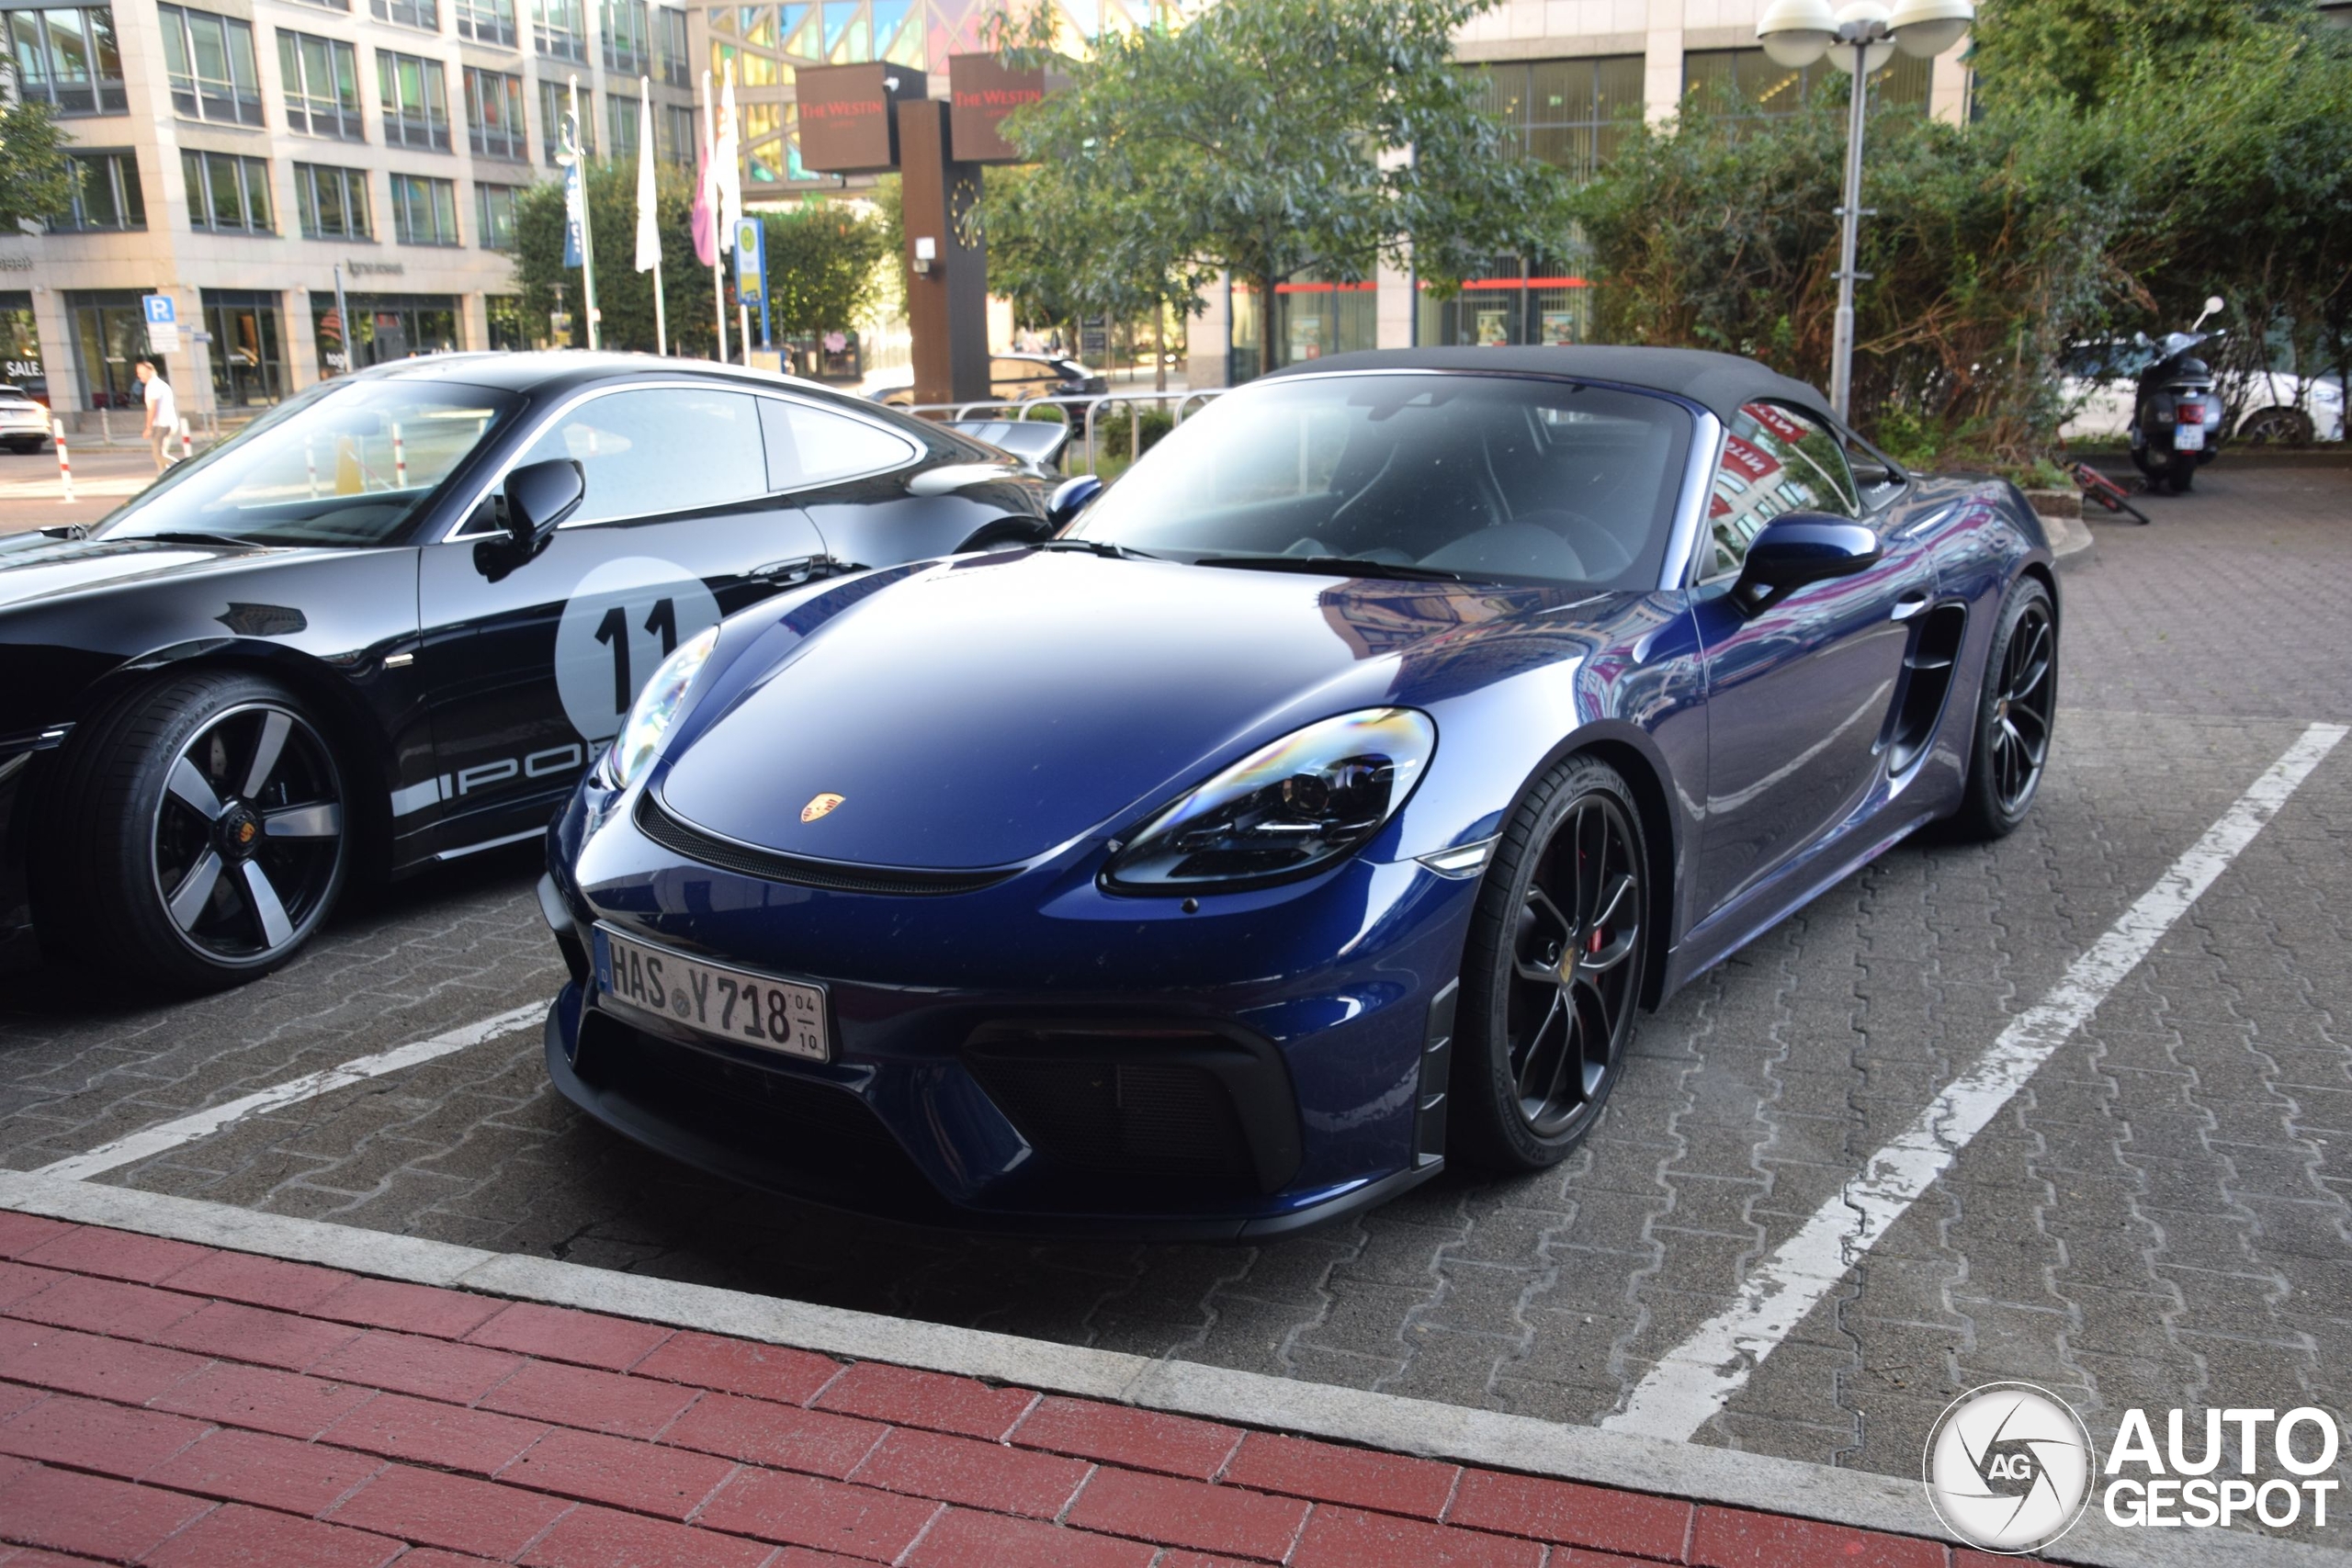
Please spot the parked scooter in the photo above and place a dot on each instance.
(2177, 416)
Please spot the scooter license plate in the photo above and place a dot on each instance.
(2189, 438)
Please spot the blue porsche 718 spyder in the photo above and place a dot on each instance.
(1320, 804)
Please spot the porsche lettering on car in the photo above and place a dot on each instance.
(1322, 804)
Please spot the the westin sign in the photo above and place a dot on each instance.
(982, 91)
(847, 123)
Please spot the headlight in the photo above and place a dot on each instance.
(639, 741)
(1311, 797)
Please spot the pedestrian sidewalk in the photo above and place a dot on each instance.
(178, 1405)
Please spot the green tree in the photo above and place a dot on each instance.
(2089, 51)
(623, 294)
(36, 176)
(1266, 138)
(826, 266)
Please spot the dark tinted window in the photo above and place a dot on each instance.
(1494, 478)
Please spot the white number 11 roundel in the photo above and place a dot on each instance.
(624, 619)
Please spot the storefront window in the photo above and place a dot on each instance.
(20, 360)
(110, 338)
(1513, 301)
(67, 57)
(248, 348)
(383, 327)
(1312, 318)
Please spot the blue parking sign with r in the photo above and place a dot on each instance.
(161, 310)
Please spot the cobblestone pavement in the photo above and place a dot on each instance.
(2160, 1219)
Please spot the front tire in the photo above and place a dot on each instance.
(1552, 973)
(2015, 707)
(201, 833)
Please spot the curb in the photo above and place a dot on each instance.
(1392, 1422)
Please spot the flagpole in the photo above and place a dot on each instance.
(732, 179)
(587, 239)
(647, 201)
(717, 289)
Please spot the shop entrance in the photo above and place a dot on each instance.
(383, 326)
(20, 362)
(110, 338)
(248, 348)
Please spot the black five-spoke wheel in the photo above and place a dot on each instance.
(2016, 709)
(1553, 973)
(201, 832)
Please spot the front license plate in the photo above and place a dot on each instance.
(2189, 438)
(786, 1016)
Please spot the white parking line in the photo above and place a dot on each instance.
(203, 1123)
(1695, 1379)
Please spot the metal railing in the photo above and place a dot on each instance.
(1090, 410)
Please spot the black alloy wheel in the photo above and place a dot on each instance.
(1551, 975)
(205, 832)
(2016, 711)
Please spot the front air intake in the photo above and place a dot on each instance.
(680, 837)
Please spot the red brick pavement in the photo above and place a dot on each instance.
(170, 1405)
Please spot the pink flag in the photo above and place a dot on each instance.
(705, 212)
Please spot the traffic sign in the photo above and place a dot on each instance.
(162, 323)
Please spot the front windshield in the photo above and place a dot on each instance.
(348, 463)
(1488, 478)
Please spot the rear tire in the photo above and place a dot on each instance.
(2285, 426)
(1552, 973)
(201, 833)
(2016, 704)
(2181, 471)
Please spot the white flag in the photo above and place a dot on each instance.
(649, 237)
(728, 155)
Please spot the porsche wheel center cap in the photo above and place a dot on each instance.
(239, 832)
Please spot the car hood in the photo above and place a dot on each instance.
(983, 712)
(37, 567)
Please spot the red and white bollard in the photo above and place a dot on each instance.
(64, 462)
(400, 459)
(310, 458)
(188, 445)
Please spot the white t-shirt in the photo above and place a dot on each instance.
(162, 404)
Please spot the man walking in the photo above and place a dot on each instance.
(162, 412)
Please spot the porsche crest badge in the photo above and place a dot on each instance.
(819, 806)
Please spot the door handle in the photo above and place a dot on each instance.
(1910, 604)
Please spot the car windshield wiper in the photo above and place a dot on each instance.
(191, 536)
(1334, 566)
(1098, 546)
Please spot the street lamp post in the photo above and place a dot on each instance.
(1859, 37)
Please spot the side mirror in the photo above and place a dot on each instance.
(1799, 547)
(539, 496)
(1070, 498)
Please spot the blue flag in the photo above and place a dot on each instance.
(575, 199)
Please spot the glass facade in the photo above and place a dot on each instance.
(227, 194)
(1746, 82)
(106, 192)
(1515, 301)
(425, 14)
(415, 93)
(628, 36)
(495, 125)
(1571, 113)
(248, 348)
(383, 327)
(331, 204)
(67, 57)
(621, 110)
(20, 360)
(1311, 319)
(559, 30)
(555, 103)
(322, 82)
(495, 217)
(504, 317)
(675, 140)
(486, 21)
(110, 338)
(209, 61)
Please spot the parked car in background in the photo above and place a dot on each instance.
(2273, 406)
(24, 424)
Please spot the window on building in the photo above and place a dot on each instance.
(330, 203)
(675, 140)
(425, 14)
(502, 313)
(559, 29)
(621, 110)
(494, 216)
(628, 36)
(209, 60)
(424, 210)
(248, 348)
(495, 125)
(68, 58)
(1746, 81)
(555, 103)
(669, 46)
(322, 78)
(416, 101)
(1572, 113)
(106, 192)
(227, 194)
(486, 21)
(329, 5)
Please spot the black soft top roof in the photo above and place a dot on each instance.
(1720, 382)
